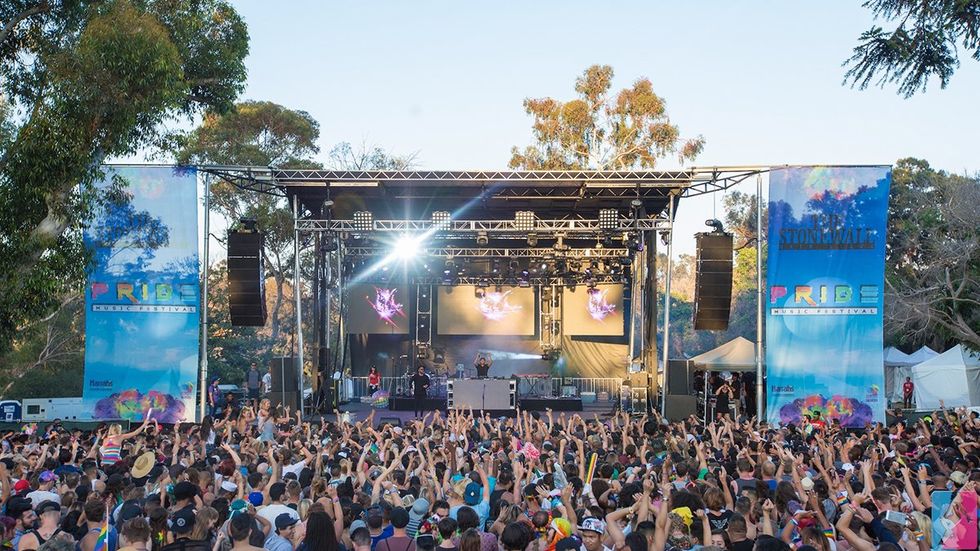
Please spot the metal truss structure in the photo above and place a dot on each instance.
(496, 252)
(518, 184)
(499, 228)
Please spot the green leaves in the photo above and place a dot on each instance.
(922, 46)
(631, 130)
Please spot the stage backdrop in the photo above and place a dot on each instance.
(378, 309)
(825, 282)
(593, 312)
(142, 298)
(507, 312)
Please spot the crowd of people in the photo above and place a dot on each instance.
(462, 481)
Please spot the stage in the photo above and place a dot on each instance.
(407, 403)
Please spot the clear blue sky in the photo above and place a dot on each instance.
(760, 80)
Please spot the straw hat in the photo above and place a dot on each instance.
(143, 465)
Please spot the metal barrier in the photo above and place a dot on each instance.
(597, 385)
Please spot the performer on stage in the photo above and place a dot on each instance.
(420, 385)
(374, 380)
(483, 364)
(723, 397)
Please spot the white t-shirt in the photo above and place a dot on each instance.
(38, 497)
(295, 468)
(270, 512)
(267, 382)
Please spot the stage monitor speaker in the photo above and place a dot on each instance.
(246, 292)
(680, 407)
(679, 376)
(713, 281)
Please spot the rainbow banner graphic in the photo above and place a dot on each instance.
(142, 297)
(825, 284)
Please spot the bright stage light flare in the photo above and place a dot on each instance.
(406, 248)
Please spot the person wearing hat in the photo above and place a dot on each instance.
(49, 517)
(20, 509)
(417, 514)
(472, 494)
(46, 481)
(591, 531)
(285, 537)
(181, 526)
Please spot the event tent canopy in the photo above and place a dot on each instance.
(894, 356)
(953, 376)
(737, 354)
(923, 354)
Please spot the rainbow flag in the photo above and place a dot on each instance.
(829, 532)
(102, 542)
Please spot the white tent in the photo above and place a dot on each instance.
(737, 354)
(923, 354)
(953, 376)
(897, 367)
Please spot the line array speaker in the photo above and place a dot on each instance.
(713, 281)
(246, 292)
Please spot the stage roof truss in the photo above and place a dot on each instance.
(496, 252)
(499, 228)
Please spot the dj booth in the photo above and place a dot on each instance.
(494, 395)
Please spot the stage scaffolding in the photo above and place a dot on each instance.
(576, 216)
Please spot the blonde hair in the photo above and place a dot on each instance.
(202, 524)
(925, 526)
(115, 429)
(303, 509)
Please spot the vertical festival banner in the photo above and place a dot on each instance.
(142, 297)
(825, 278)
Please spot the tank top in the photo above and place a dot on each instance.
(110, 452)
(40, 540)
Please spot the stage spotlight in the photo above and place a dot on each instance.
(441, 219)
(524, 281)
(532, 240)
(608, 242)
(524, 220)
(716, 224)
(608, 219)
(406, 248)
(633, 242)
(482, 239)
(363, 220)
(495, 266)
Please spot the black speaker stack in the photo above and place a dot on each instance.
(246, 292)
(713, 281)
(285, 384)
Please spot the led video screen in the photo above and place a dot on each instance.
(593, 312)
(378, 309)
(509, 311)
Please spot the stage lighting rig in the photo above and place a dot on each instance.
(524, 220)
(633, 242)
(363, 220)
(716, 224)
(524, 280)
(441, 219)
(608, 219)
(482, 239)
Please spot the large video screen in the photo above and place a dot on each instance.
(593, 312)
(509, 311)
(378, 309)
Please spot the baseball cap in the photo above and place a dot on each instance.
(958, 477)
(807, 483)
(22, 486)
(47, 476)
(48, 507)
(357, 524)
(593, 524)
(182, 521)
(284, 520)
(419, 508)
(255, 498)
(472, 493)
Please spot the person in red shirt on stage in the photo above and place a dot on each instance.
(374, 380)
(907, 389)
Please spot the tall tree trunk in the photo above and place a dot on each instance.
(276, 309)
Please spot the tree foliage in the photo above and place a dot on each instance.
(923, 44)
(258, 133)
(932, 262)
(596, 130)
(83, 82)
